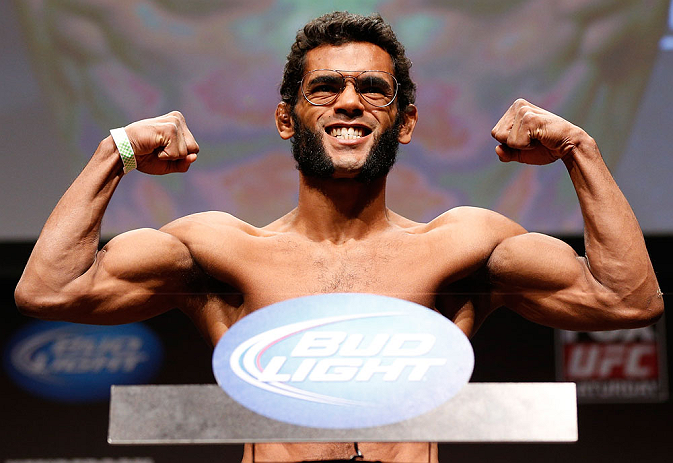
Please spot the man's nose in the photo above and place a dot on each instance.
(349, 100)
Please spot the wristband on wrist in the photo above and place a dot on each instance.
(125, 150)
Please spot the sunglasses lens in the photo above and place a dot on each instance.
(322, 87)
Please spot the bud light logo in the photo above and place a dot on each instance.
(78, 363)
(343, 361)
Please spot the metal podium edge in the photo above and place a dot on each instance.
(480, 412)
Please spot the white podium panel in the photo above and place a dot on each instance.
(480, 412)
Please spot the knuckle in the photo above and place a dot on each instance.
(177, 115)
(529, 117)
(511, 141)
(173, 120)
(171, 128)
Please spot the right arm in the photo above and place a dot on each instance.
(137, 273)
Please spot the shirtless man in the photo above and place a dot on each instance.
(341, 237)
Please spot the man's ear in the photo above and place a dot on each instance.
(284, 122)
(409, 119)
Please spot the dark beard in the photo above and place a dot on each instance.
(312, 161)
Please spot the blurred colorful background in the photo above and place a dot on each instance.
(74, 69)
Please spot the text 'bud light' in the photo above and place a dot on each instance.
(343, 361)
(78, 363)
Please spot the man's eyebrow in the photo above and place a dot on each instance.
(329, 78)
(376, 80)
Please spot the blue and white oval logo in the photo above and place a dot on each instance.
(343, 361)
(78, 363)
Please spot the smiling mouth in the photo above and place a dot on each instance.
(348, 133)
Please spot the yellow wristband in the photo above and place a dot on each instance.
(125, 150)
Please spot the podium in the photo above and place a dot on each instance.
(343, 368)
(479, 412)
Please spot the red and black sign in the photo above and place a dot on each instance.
(615, 366)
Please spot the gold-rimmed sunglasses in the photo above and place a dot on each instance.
(321, 87)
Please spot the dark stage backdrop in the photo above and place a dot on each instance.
(507, 348)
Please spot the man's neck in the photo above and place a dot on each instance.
(339, 210)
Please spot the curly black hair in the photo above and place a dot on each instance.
(339, 28)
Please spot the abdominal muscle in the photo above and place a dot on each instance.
(384, 452)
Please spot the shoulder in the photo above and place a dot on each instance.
(471, 232)
(208, 225)
(216, 238)
(477, 221)
(173, 245)
(210, 218)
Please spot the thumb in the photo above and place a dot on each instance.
(507, 154)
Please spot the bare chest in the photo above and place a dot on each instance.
(407, 267)
(367, 268)
(267, 271)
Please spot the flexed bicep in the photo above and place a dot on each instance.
(546, 281)
(137, 275)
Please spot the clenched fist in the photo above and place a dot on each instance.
(532, 135)
(162, 144)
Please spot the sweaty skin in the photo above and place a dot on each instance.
(341, 237)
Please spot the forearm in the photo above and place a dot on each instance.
(69, 240)
(615, 248)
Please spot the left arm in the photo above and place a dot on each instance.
(542, 278)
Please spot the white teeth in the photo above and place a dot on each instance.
(344, 133)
